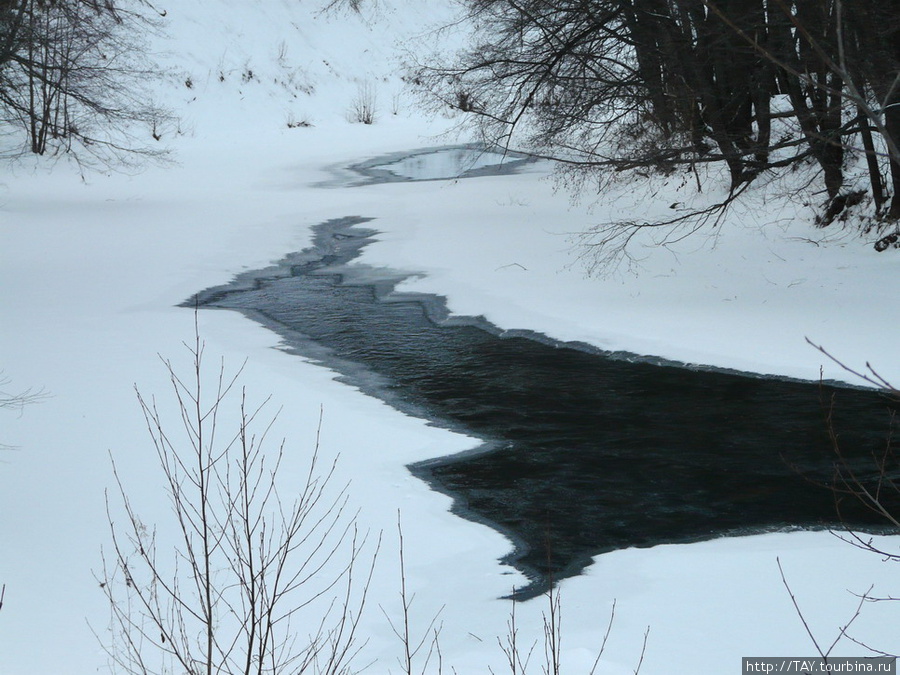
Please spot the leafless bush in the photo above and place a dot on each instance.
(519, 656)
(363, 106)
(419, 651)
(222, 587)
(421, 648)
(880, 495)
(293, 123)
(344, 5)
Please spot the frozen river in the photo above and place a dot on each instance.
(583, 451)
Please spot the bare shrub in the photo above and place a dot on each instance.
(344, 5)
(875, 486)
(221, 588)
(419, 650)
(855, 483)
(363, 107)
(519, 656)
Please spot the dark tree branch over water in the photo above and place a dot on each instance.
(612, 85)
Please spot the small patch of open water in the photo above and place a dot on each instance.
(426, 164)
(584, 452)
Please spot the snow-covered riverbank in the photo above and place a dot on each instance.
(92, 272)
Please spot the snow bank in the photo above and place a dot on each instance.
(92, 272)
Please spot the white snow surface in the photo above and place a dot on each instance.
(93, 268)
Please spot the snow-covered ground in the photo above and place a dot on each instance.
(92, 271)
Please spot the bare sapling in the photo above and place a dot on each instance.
(244, 578)
(875, 487)
(419, 652)
(853, 482)
(518, 656)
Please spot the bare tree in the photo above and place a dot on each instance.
(656, 86)
(225, 587)
(73, 81)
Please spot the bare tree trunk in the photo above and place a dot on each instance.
(892, 126)
(875, 179)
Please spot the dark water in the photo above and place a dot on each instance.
(584, 452)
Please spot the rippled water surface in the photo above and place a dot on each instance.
(583, 452)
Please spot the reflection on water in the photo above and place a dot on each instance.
(450, 162)
(446, 163)
(583, 452)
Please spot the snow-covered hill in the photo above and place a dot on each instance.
(92, 270)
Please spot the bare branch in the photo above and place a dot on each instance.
(220, 595)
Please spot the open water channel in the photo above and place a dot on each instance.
(583, 451)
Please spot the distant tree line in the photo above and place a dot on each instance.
(72, 80)
(756, 84)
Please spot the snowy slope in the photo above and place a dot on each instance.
(92, 272)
